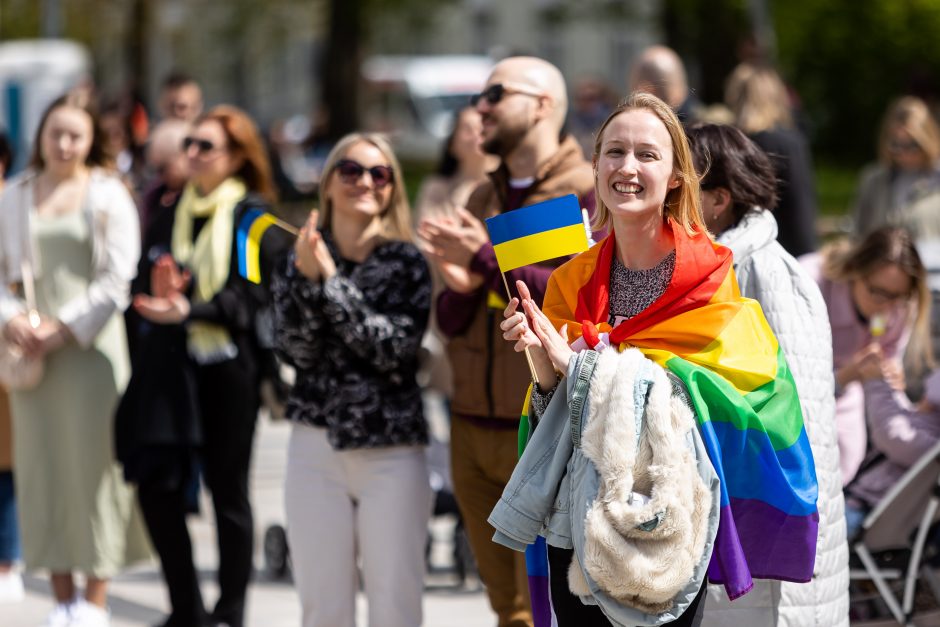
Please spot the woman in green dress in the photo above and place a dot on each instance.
(74, 224)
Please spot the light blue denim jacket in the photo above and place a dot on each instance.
(553, 474)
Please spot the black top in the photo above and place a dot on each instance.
(796, 209)
(354, 340)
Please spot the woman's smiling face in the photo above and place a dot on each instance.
(634, 167)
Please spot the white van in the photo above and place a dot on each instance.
(414, 98)
(33, 73)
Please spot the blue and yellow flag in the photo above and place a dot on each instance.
(248, 242)
(545, 230)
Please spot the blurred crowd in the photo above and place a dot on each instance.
(125, 254)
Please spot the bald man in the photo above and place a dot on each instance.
(659, 71)
(523, 107)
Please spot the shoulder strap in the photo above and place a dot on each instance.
(579, 394)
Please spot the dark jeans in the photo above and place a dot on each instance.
(571, 612)
(228, 401)
(9, 528)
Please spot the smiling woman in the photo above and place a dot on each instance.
(352, 304)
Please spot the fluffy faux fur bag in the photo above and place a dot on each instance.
(19, 371)
(648, 528)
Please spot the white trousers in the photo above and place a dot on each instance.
(374, 503)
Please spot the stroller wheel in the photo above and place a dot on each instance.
(276, 552)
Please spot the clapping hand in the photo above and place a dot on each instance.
(168, 303)
(313, 258)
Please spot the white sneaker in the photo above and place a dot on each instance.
(60, 616)
(11, 587)
(85, 614)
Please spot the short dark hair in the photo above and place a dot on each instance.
(725, 157)
(176, 79)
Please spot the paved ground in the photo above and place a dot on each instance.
(138, 597)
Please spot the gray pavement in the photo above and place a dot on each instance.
(138, 597)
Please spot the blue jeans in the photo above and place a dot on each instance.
(854, 517)
(9, 530)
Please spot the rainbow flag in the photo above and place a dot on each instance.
(545, 230)
(749, 415)
(251, 229)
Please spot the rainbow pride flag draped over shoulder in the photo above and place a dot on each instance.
(749, 416)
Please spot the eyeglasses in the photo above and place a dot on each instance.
(202, 145)
(351, 171)
(882, 295)
(494, 93)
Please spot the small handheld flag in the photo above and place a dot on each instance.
(545, 230)
(251, 229)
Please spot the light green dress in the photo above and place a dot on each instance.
(76, 512)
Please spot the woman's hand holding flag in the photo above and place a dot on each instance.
(532, 329)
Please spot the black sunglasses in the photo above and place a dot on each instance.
(350, 171)
(202, 145)
(494, 93)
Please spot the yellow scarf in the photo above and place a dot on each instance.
(208, 258)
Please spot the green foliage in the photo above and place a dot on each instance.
(849, 58)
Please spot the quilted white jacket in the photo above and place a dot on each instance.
(796, 312)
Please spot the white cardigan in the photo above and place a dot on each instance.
(796, 312)
(113, 223)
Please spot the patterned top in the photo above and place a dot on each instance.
(354, 341)
(631, 292)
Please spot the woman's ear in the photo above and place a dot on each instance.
(722, 198)
(674, 182)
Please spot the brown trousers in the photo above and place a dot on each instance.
(482, 461)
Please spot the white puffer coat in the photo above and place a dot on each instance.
(797, 313)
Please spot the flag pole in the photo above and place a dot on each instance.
(528, 357)
(293, 230)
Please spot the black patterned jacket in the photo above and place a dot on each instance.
(354, 341)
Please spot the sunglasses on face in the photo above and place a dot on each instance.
(202, 145)
(351, 171)
(494, 93)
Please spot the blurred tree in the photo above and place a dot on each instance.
(347, 39)
(850, 58)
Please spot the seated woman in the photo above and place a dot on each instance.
(876, 293)
(738, 195)
(899, 434)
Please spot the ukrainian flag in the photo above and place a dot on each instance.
(531, 234)
(251, 229)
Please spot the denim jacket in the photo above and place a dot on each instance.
(554, 484)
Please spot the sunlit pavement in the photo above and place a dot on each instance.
(138, 597)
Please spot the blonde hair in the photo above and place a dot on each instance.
(396, 218)
(911, 114)
(844, 261)
(683, 203)
(757, 98)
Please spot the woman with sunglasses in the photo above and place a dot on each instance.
(878, 301)
(903, 188)
(352, 304)
(195, 390)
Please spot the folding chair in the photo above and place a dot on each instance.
(907, 511)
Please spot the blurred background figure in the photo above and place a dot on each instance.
(903, 187)
(76, 511)
(180, 97)
(659, 71)
(352, 304)
(876, 293)
(738, 195)
(11, 582)
(169, 168)
(209, 331)
(119, 145)
(592, 102)
(299, 148)
(761, 106)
